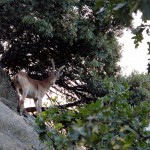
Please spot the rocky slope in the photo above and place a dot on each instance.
(16, 132)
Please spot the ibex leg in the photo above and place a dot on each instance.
(18, 100)
(22, 109)
(39, 106)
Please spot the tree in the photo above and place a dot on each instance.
(38, 31)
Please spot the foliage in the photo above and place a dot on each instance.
(122, 10)
(117, 9)
(122, 6)
(109, 123)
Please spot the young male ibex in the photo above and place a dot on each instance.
(30, 88)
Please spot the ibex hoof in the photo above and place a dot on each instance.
(18, 109)
(23, 112)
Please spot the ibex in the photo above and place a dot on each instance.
(30, 88)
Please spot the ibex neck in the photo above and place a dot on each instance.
(48, 82)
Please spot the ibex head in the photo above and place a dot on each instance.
(55, 74)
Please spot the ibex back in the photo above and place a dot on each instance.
(31, 88)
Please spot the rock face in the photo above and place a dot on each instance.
(7, 91)
(16, 133)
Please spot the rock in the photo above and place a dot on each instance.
(16, 133)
